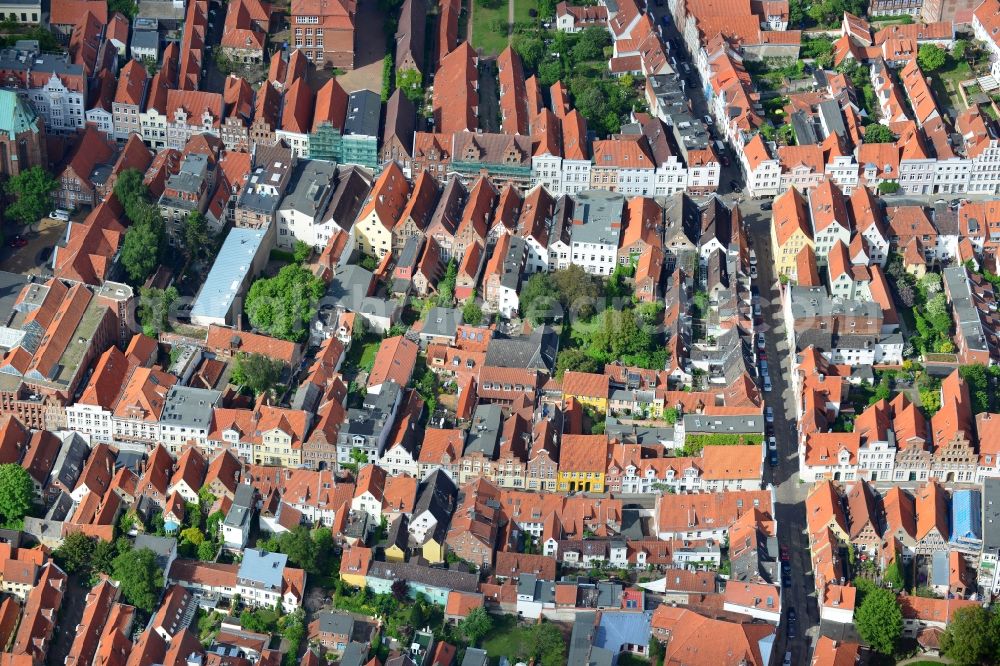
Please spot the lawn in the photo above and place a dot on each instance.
(504, 639)
(946, 82)
(522, 9)
(484, 20)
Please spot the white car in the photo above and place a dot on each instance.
(788, 659)
(60, 214)
(767, 384)
(772, 444)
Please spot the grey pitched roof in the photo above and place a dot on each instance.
(310, 188)
(353, 186)
(336, 623)
(447, 579)
(475, 657)
(484, 436)
(537, 350)
(441, 322)
(69, 463)
(437, 495)
(991, 515)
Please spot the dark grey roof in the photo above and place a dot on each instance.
(189, 407)
(437, 495)
(10, 286)
(356, 654)
(364, 109)
(582, 651)
(600, 215)
(802, 126)
(829, 111)
(310, 188)
(447, 579)
(441, 322)
(398, 534)
(60, 508)
(352, 189)
(145, 39)
(484, 435)
(336, 623)
(410, 253)
(475, 657)
(163, 547)
(638, 433)
(723, 424)
(69, 463)
(991, 515)
(537, 350)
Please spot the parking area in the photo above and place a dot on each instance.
(33, 258)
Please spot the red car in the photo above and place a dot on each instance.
(784, 553)
(17, 241)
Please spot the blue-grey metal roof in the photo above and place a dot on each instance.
(189, 406)
(263, 568)
(145, 39)
(618, 629)
(966, 515)
(228, 273)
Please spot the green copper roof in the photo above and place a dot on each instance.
(15, 115)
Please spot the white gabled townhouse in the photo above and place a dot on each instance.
(761, 171)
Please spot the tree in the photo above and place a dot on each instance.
(472, 314)
(257, 372)
(207, 551)
(879, 620)
(140, 254)
(154, 308)
(959, 49)
(970, 638)
(301, 252)
(536, 298)
(282, 306)
(126, 7)
(193, 536)
(931, 57)
(400, 590)
(577, 291)
(130, 190)
(894, 576)
(549, 71)
(878, 133)
(75, 554)
(17, 492)
(446, 287)
(196, 238)
(141, 580)
(576, 360)
(930, 283)
(411, 83)
(670, 415)
(531, 49)
(32, 191)
(476, 625)
(387, 77)
(548, 645)
(978, 383)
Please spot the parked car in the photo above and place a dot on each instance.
(17, 241)
(60, 214)
(788, 659)
(772, 443)
(753, 257)
(769, 415)
(766, 205)
(708, 120)
(772, 458)
(763, 367)
(767, 384)
(783, 550)
(753, 272)
(760, 341)
(756, 310)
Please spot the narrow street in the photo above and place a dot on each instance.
(790, 495)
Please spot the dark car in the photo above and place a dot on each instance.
(766, 205)
(784, 552)
(793, 629)
(17, 241)
(772, 458)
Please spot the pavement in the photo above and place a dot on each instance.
(790, 494)
(42, 238)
